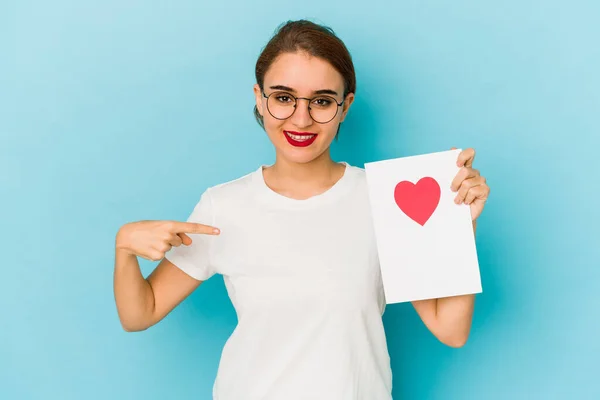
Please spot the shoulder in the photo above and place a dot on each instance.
(356, 173)
(232, 189)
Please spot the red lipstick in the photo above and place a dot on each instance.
(300, 139)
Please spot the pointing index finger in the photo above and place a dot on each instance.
(193, 227)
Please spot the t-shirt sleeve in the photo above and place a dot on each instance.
(195, 259)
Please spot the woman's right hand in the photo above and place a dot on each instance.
(153, 239)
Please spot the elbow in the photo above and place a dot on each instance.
(129, 328)
(453, 337)
(134, 321)
(133, 328)
(455, 341)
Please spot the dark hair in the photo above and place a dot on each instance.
(317, 40)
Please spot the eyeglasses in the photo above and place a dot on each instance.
(322, 109)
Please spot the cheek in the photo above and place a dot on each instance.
(270, 121)
(330, 129)
(272, 126)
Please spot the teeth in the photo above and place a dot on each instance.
(299, 137)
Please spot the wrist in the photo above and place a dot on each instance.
(121, 242)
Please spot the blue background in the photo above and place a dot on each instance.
(115, 111)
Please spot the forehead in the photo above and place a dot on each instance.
(304, 73)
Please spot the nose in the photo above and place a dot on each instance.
(301, 117)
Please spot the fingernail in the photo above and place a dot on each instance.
(216, 231)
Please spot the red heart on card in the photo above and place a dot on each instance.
(418, 201)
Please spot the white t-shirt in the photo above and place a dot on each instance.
(304, 278)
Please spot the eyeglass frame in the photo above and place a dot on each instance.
(308, 106)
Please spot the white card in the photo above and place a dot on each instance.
(425, 241)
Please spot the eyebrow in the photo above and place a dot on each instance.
(289, 89)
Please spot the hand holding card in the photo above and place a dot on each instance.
(470, 186)
(425, 240)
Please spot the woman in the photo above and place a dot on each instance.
(294, 242)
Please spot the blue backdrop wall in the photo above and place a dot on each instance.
(114, 111)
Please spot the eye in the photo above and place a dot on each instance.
(322, 102)
(284, 98)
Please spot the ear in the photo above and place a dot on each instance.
(347, 103)
(258, 95)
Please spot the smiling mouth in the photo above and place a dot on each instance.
(300, 136)
(300, 139)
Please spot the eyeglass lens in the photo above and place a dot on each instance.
(322, 109)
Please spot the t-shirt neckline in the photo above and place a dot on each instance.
(273, 198)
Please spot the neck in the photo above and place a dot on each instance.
(303, 180)
(316, 170)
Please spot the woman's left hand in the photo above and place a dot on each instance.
(470, 186)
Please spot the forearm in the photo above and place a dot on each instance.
(448, 318)
(454, 316)
(133, 293)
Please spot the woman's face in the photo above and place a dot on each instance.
(299, 138)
